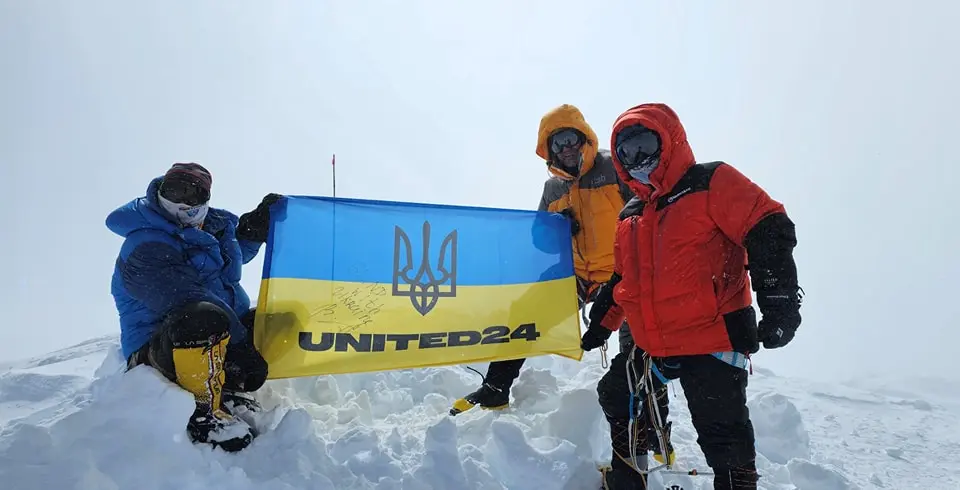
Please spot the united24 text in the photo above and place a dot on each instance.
(380, 342)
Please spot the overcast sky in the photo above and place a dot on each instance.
(844, 111)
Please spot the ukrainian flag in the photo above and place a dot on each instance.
(357, 285)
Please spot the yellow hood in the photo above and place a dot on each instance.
(566, 116)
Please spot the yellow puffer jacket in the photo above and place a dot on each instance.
(595, 198)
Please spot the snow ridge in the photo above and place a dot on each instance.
(74, 419)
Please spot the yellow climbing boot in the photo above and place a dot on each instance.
(489, 397)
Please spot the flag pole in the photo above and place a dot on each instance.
(333, 224)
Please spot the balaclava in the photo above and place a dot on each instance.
(185, 193)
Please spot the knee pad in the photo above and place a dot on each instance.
(197, 323)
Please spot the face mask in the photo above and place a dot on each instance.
(185, 214)
(647, 166)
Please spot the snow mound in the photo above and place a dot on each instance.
(779, 428)
(809, 476)
(75, 420)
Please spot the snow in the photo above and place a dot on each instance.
(74, 420)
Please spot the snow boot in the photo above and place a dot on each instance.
(739, 478)
(489, 397)
(198, 365)
(243, 406)
(238, 401)
(219, 429)
(620, 475)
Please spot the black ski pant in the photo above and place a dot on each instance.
(245, 369)
(717, 399)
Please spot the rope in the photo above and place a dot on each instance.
(631, 423)
(478, 372)
(654, 408)
(646, 383)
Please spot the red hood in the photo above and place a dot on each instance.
(676, 156)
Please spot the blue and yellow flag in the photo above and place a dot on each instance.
(355, 286)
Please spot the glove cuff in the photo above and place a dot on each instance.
(779, 299)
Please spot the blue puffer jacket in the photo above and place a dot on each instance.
(162, 266)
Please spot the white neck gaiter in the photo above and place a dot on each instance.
(185, 215)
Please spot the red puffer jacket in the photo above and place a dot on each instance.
(681, 247)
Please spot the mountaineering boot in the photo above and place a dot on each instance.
(738, 478)
(198, 365)
(219, 429)
(620, 475)
(242, 406)
(489, 397)
(237, 401)
(655, 444)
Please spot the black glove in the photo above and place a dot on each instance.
(603, 303)
(781, 317)
(255, 225)
(574, 224)
(594, 337)
(773, 274)
(605, 316)
(246, 370)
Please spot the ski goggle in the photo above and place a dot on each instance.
(564, 138)
(183, 191)
(635, 144)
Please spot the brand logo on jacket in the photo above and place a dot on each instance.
(676, 196)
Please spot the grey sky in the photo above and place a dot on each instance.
(844, 111)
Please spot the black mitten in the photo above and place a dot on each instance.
(255, 225)
(781, 317)
(773, 273)
(594, 337)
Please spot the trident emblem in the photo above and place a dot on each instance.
(427, 285)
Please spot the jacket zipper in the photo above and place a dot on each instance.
(638, 280)
(576, 240)
(593, 233)
(654, 229)
(636, 262)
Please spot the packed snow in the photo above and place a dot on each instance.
(74, 420)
